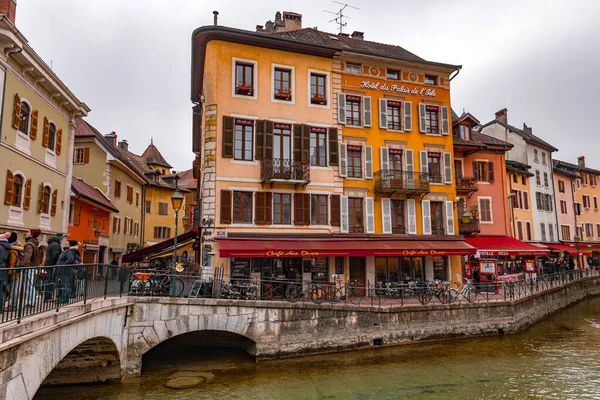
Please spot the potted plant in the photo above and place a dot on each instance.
(243, 89)
(283, 94)
(318, 99)
(474, 211)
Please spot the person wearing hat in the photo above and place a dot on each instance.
(67, 270)
(52, 253)
(32, 257)
(4, 252)
(16, 250)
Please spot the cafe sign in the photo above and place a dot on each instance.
(402, 89)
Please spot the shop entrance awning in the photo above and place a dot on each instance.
(568, 248)
(155, 251)
(492, 245)
(342, 247)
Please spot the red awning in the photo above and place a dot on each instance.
(337, 247)
(504, 246)
(568, 248)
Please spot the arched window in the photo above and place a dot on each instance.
(46, 203)
(25, 112)
(17, 190)
(51, 136)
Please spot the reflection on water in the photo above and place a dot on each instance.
(556, 359)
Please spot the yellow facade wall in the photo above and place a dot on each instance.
(158, 195)
(591, 214)
(526, 216)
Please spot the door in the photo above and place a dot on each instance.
(358, 275)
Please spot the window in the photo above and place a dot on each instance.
(136, 229)
(586, 201)
(525, 200)
(353, 69)
(593, 180)
(578, 209)
(538, 179)
(51, 136)
(565, 232)
(464, 132)
(563, 207)
(535, 156)
(244, 79)
(129, 194)
(544, 158)
(514, 178)
(318, 89)
(242, 207)
(561, 186)
(24, 122)
(282, 208)
(431, 119)
(398, 222)
(597, 230)
(585, 179)
(137, 199)
(393, 115)
(517, 199)
(45, 206)
(148, 206)
(282, 84)
(17, 191)
(484, 171)
(71, 214)
(318, 146)
(395, 163)
(163, 208)
(430, 80)
(543, 230)
(551, 232)
(595, 203)
(523, 180)
(244, 136)
(528, 230)
(485, 209)
(162, 232)
(79, 157)
(545, 179)
(434, 165)
(393, 74)
(520, 230)
(578, 183)
(589, 231)
(127, 230)
(437, 217)
(353, 111)
(318, 209)
(355, 215)
(354, 161)
(117, 188)
(117, 225)
(282, 146)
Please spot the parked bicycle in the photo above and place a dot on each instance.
(151, 284)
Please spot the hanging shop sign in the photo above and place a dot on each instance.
(415, 91)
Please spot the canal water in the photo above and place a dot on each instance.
(558, 358)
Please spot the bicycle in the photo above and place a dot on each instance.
(450, 294)
(160, 285)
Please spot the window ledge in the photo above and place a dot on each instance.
(317, 168)
(289, 102)
(354, 179)
(396, 131)
(290, 225)
(241, 96)
(319, 226)
(241, 225)
(354, 126)
(321, 106)
(243, 162)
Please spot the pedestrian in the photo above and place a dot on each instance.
(32, 257)
(67, 263)
(15, 259)
(4, 253)
(53, 251)
(114, 267)
(124, 274)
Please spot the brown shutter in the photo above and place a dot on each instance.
(298, 142)
(335, 210)
(46, 136)
(259, 151)
(27, 201)
(34, 126)
(306, 144)
(54, 199)
(333, 146)
(59, 142)
(490, 172)
(268, 154)
(475, 172)
(16, 122)
(301, 208)
(8, 191)
(306, 208)
(269, 209)
(41, 203)
(225, 207)
(259, 215)
(227, 137)
(86, 155)
(77, 215)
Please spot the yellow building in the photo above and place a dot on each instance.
(36, 136)
(521, 204)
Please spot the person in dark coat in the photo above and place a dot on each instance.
(67, 270)
(53, 251)
(4, 252)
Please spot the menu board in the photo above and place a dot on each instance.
(487, 267)
(240, 267)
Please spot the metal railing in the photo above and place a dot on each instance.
(34, 290)
(278, 168)
(391, 181)
(467, 228)
(466, 184)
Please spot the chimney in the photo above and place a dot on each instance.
(527, 129)
(291, 21)
(358, 35)
(112, 138)
(581, 161)
(215, 17)
(277, 16)
(9, 8)
(502, 115)
(260, 28)
(123, 145)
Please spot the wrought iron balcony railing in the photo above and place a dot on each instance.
(466, 184)
(438, 231)
(356, 229)
(468, 228)
(397, 181)
(282, 169)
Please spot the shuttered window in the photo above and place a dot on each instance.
(129, 194)
(318, 209)
(484, 171)
(117, 188)
(225, 210)
(24, 118)
(335, 210)
(163, 208)
(244, 139)
(398, 217)
(148, 207)
(301, 208)
(242, 207)
(356, 215)
(485, 209)
(262, 209)
(282, 208)
(318, 146)
(353, 110)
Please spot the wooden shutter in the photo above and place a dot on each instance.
(59, 142)
(343, 160)
(369, 162)
(367, 112)
(41, 203)
(408, 116)
(16, 122)
(342, 108)
(426, 213)
(225, 207)
(86, 155)
(448, 168)
(335, 210)
(301, 209)
(490, 172)
(424, 162)
(259, 149)
(476, 171)
(445, 122)
(34, 125)
(27, 200)
(9, 189)
(409, 161)
(333, 146)
(54, 200)
(449, 218)
(306, 144)
(386, 215)
(344, 223)
(383, 122)
(370, 214)
(46, 131)
(263, 214)
(227, 149)
(422, 120)
(268, 154)
(384, 159)
(302, 143)
(77, 215)
(411, 210)
(297, 142)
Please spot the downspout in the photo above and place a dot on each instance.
(2, 109)
(458, 68)
(143, 211)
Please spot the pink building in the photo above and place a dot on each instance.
(565, 179)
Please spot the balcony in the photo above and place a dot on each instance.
(468, 228)
(390, 181)
(356, 229)
(466, 185)
(285, 171)
(438, 230)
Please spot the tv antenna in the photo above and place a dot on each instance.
(339, 19)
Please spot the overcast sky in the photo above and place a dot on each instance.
(129, 60)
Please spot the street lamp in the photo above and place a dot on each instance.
(576, 238)
(176, 202)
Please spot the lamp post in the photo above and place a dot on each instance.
(576, 238)
(176, 202)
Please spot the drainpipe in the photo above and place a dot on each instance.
(509, 204)
(143, 210)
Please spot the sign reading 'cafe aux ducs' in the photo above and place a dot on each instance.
(398, 89)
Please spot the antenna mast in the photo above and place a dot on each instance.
(339, 19)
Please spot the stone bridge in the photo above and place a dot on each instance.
(107, 339)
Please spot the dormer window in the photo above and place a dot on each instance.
(465, 132)
(393, 74)
(353, 69)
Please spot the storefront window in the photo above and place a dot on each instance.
(399, 269)
(240, 268)
(319, 269)
(440, 268)
(412, 269)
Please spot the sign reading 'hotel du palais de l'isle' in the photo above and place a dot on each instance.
(415, 91)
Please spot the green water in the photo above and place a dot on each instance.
(558, 358)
